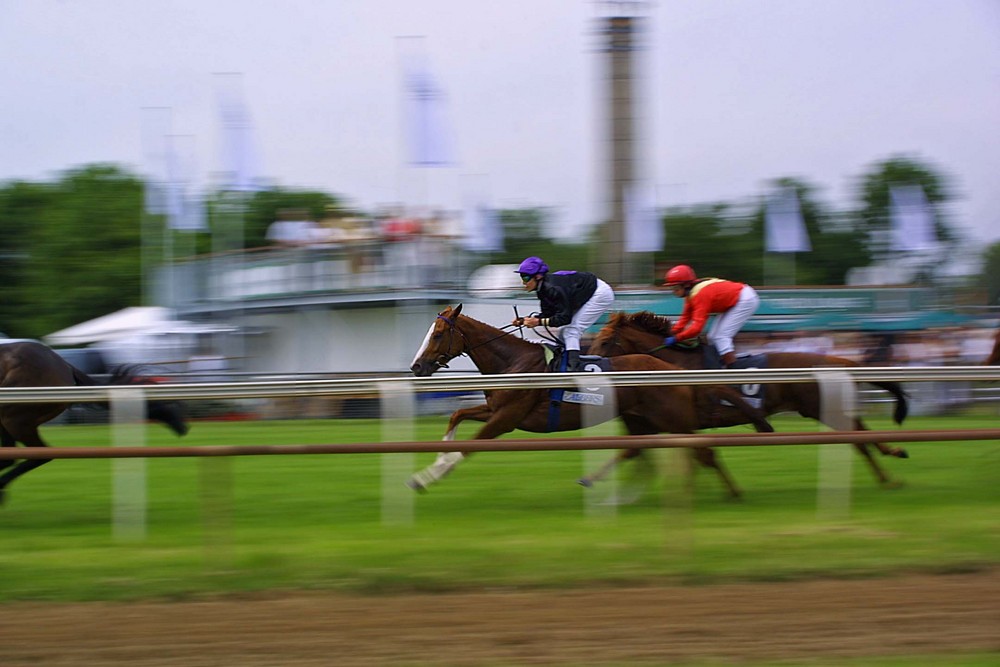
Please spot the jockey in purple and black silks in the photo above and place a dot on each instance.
(571, 301)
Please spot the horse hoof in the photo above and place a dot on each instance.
(583, 481)
(903, 454)
(416, 486)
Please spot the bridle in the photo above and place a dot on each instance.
(443, 358)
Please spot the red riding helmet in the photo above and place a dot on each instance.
(680, 275)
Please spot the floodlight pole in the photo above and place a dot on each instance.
(619, 43)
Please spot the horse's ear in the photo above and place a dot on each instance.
(457, 311)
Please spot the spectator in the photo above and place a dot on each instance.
(293, 228)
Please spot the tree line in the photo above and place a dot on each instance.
(78, 246)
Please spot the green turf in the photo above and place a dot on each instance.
(502, 519)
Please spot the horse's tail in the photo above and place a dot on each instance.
(125, 374)
(129, 374)
(902, 407)
(82, 379)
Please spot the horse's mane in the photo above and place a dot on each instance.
(647, 321)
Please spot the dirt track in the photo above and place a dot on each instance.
(910, 615)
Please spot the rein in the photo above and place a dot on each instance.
(617, 342)
(443, 359)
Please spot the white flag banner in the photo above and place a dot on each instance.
(425, 115)
(785, 231)
(184, 208)
(481, 227)
(643, 227)
(912, 219)
(155, 135)
(240, 161)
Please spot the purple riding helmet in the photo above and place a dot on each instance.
(533, 265)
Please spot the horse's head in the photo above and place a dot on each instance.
(171, 413)
(444, 341)
(607, 341)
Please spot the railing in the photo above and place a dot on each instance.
(367, 386)
(129, 521)
(366, 265)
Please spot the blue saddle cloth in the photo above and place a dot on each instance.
(712, 360)
(751, 361)
(589, 363)
(753, 394)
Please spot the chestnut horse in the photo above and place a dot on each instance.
(644, 332)
(644, 410)
(31, 364)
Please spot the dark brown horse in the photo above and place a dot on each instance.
(32, 364)
(644, 410)
(644, 332)
(994, 358)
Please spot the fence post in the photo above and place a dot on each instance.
(128, 477)
(838, 410)
(215, 481)
(597, 419)
(398, 409)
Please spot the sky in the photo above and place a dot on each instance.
(734, 94)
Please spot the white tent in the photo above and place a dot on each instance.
(125, 322)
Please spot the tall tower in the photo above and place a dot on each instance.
(619, 33)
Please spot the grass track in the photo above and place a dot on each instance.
(502, 519)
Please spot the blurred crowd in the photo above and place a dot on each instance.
(410, 240)
(949, 346)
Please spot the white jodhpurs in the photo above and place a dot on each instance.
(590, 312)
(729, 323)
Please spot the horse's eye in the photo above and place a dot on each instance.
(436, 336)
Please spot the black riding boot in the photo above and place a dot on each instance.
(572, 361)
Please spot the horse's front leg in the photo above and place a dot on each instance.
(6, 440)
(29, 436)
(446, 461)
(497, 423)
(480, 413)
(602, 472)
(756, 417)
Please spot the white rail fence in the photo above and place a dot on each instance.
(368, 386)
(398, 400)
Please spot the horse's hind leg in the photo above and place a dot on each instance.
(809, 406)
(6, 440)
(886, 450)
(604, 470)
(880, 474)
(30, 439)
(707, 457)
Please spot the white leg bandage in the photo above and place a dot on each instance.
(435, 472)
